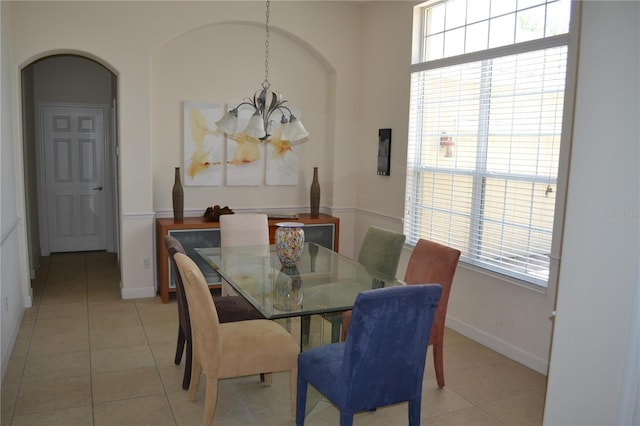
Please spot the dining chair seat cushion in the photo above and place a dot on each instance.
(322, 367)
(235, 308)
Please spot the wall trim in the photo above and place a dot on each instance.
(137, 292)
(282, 210)
(28, 299)
(386, 217)
(139, 216)
(507, 349)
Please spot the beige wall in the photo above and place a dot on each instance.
(594, 332)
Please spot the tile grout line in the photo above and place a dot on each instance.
(86, 280)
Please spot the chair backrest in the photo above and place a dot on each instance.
(174, 247)
(380, 250)
(205, 330)
(433, 263)
(386, 346)
(244, 229)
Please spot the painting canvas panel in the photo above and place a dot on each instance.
(283, 157)
(245, 155)
(203, 144)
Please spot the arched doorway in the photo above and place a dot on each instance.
(69, 106)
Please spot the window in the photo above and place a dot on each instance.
(487, 99)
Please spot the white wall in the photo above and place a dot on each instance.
(602, 231)
(13, 268)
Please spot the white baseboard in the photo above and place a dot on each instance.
(510, 351)
(138, 292)
(28, 300)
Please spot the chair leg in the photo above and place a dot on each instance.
(301, 400)
(414, 412)
(336, 322)
(438, 363)
(268, 378)
(186, 379)
(346, 321)
(336, 325)
(211, 397)
(305, 327)
(346, 419)
(179, 346)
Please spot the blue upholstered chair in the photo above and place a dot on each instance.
(382, 361)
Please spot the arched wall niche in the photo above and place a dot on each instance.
(225, 63)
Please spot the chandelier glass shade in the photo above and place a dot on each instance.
(264, 104)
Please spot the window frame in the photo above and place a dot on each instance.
(570, 40)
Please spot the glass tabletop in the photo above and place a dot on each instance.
(322, 281)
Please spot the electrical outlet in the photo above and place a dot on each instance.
(146, 263)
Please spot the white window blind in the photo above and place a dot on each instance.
(484, 140)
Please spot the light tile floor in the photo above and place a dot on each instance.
(85, 357)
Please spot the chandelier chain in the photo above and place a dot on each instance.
(264, 103)
(266, 83)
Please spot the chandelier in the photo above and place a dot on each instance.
(264, 103)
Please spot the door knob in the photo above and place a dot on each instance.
(97, 188)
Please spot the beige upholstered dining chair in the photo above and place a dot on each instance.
(229, 309)
(430, 263)
(231, 349)
(244, 229)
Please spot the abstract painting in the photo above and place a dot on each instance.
(203, 144)
(245, 155)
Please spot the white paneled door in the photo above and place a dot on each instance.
(74, 157)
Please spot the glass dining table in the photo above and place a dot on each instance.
(322, 283)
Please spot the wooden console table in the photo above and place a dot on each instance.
(196, 232)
